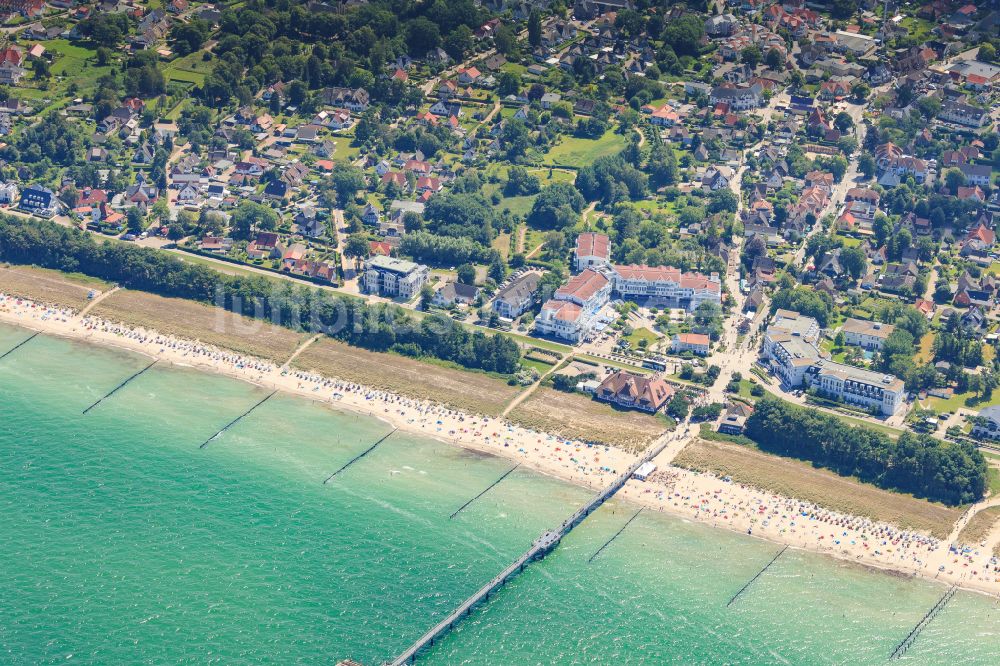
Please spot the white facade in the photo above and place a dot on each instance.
(688, 290)
(859, 387)
(867, 334)
(790, 351)
(394, 277)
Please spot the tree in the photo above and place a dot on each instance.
(854, 261)
(843, 122)
(350, 320)
(498, 270)
(987, 53)
(422, 35)
(189, 37)
(509, 83)
(515, 138)
(774, 60)
(250, 217)
(505, 40)
(346, 179)
(724, 200)
(678, 406)
(356, 247)
(535, 28)
(521, 183)
(922, 465)
(866, 165)
(426, 296)
(684, 35)
(954, 179)
(556, 207)
(860, 91)
(459, 42)
(466, 274)
(751, 55)
(136, 220)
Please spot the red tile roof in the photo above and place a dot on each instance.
(592, 244)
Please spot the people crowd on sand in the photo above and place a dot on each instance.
(701, 496)
(710, 498)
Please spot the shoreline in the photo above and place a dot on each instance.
(688, 495)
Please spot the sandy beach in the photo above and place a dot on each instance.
(698, 497)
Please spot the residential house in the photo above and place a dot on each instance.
(38, 200)
(518, 296)
(452, 293)
(964, 114)
(986, 424)
(867, 334)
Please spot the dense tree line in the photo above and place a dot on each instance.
(918, 464)
(381, 327)
(610, 179)
(445, 250)
(815, 304)
(461, 216)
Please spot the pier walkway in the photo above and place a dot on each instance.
(541, 547)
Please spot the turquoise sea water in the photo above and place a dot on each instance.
(124, 542)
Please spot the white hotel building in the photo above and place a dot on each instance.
(790, 351)
(571, 313)
(687, 290)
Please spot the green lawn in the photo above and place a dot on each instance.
(575, 152)
(957, 401)
(640, 334)
(539, 367)
(171, 73)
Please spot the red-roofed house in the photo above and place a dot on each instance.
(634, 391)
(692, 342)
(982, 233)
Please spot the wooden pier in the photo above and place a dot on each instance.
(541, 547)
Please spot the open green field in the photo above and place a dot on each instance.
(640, 334)
(576, 152)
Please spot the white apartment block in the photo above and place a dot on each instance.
(857, 386)
(394, 277)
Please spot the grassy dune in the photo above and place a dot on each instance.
(793, 478)
(579, 417)
(466, 390)
(63, 290)
(980, 526)
(197, 321)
